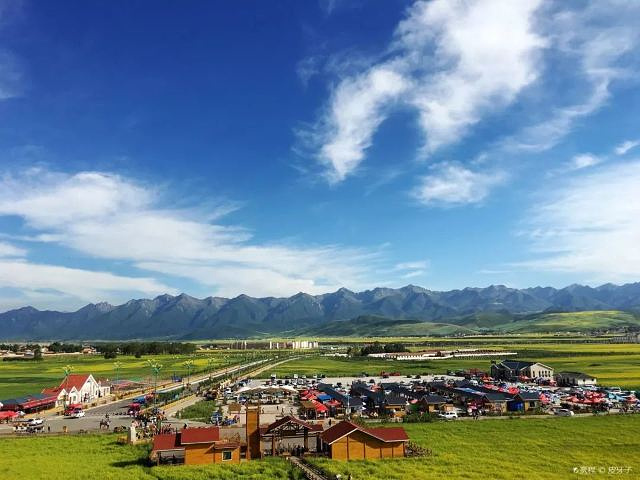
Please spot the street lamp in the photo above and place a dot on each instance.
(210, 363)
(117, 366)
(67, 369)
(155, 370)
(189, 366)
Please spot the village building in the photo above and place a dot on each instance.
(513, 370)
(433, 403)
(347, 404)
(348, 441)
(524, 402)
(289, 433)
(575, 379)
(77, 388)
(195, 446)
(29, 403)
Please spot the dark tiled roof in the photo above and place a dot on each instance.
(341, 397)
(581, 375)
(516, 364)
(288, 419)
(434, 399)
(529, 396)
(395, 400)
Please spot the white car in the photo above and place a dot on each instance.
(564, 412)
(35, 422)
(77, 414)
(448, 415)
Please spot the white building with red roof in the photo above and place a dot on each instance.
(78, 388)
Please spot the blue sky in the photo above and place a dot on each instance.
(274, 147)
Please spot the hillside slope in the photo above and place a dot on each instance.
(496, 308)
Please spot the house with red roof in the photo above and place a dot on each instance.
(77, 388)
(195, 446)
(348, 441)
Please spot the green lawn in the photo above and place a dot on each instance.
(99, 457)
(535, 449)
(200, 411)
(532, 449)
(20, 378)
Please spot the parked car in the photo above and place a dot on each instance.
(448, 415)
(34, 422)
(77, 414)
(564, 412)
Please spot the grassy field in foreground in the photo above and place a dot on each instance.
(20, 378)
(99, 457)
(535, 449)
(612, 364)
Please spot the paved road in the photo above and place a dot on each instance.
(117, 410)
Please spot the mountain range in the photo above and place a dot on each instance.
(185, 317)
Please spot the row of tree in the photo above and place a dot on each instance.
(113, 349)
(378, 347)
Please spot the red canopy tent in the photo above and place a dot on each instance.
(320, 408)
(8, 414)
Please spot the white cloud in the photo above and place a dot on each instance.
(9, 250)
(596, 39)
(413, 269)
(584, 160)
(450, 61)
(48, 199)
(78, 286)
(474, 68)
(111, 217)
(452, 184)
(589, 225)
(419, 264)
(625, 146)
(358, 107)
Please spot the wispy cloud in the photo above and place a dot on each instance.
(11, 72)
(448, 61)
(451, 184)
(626, 146)
(588, 225)
(595, 38)
(112, 217)
(9, 250)
(584, 160)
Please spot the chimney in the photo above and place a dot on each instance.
(253, 432)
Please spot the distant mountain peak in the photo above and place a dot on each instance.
(184, 316)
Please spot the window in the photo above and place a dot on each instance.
(226, 455)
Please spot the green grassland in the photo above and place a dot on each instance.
(483, 322)
(535, 449)
(25, 377)
(571, 322)
(612, 364)
(99, 457)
